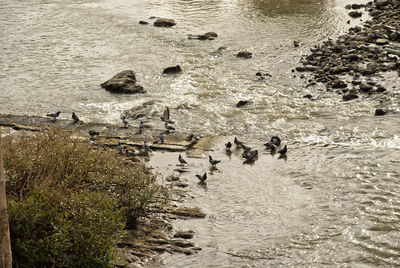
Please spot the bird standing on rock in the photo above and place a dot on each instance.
(162, 137)
(75, 117)
(181, 160)
(120, 147)
(213, 161)
(146, 147)
(54, 115)
(203, 177)
(125, 122)
(141, 126)
(165, 117)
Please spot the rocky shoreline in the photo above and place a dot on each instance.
(347, 65)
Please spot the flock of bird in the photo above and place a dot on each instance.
(250, 155)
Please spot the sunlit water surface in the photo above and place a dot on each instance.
(334, 201)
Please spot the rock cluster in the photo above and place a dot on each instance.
(362, 52)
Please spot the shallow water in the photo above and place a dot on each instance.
(335, 201)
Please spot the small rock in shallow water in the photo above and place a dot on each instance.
(161, 22)
(244, 54)
(172, 70)
(349, 97)
(143, 22)
(242, 103)
(355, 14)
(380, 112)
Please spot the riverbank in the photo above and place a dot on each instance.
(152, 234)
(352, 64)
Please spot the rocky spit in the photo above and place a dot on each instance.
(360, 54)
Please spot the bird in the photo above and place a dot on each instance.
(246, 148)
(237, 142)
(251, 155)
(283, 151)
(75, 117)
(146, 146)
(93, 133)
(228, 145)
(162, 137)
(203, 177)
(181, 160)
(129, 153)
(296, 43)
(141, 126)
(213, 161)
(120, 147)
(276, 140)
(125, 122)
(54, 115)
(168, 127)
(270, 145)
(190, 137)
(165, 117)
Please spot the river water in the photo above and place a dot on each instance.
(335, 201)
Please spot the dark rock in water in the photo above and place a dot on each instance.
(306, 68)
(349, 97)
(143, 22)
(172, 70)
(242, 103)
(206, 36)
(308, 96)
(355, 14)
(339, 84)
(365, 87)
(244, 54)
(380, 89)
(356, 6)
(123, 82)
(162, 22)
(184, 234)
(380, 112)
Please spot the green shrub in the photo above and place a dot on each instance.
(67, 200)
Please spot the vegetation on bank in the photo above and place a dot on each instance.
(68, 201)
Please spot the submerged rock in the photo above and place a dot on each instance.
(162, 22)
(243, 103)
(355, 14)
(244, 54)
(206, 36)
(123, 82)
(380, 112)
(143, 22)
(172, 70)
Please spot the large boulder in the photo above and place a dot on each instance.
(123, 82)
(161, 22)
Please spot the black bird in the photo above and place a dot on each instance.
(283, 151)
(75, 117)
(120, 147)
(189, 138)
(202, 178)
(270, 145)
(228, 145)
(237, 142)
(54, 115)
(126, 123)
(213, 161)
(165, 117)
(251, 155)
(141, 126)
(93, 133)
(168, 127)
(276, 140)
(181, 160)
(146, 146)
(246, 148)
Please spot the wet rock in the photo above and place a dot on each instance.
(394, 36)
(355, 14)
(172, 70)
(206, 36)
(182, 243)
(244, 54)
(381, 3)
(123, 82)
(162, 22)
(184, 234)
(380, 112)
(356, 6)
(380, 89)
(308, 96)
(143, 22)
(349, 97)
(365, 87)
(381, 41)
(306, 68)
(339, 84)
(189, 212)
(243, 103)
(144, 110)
